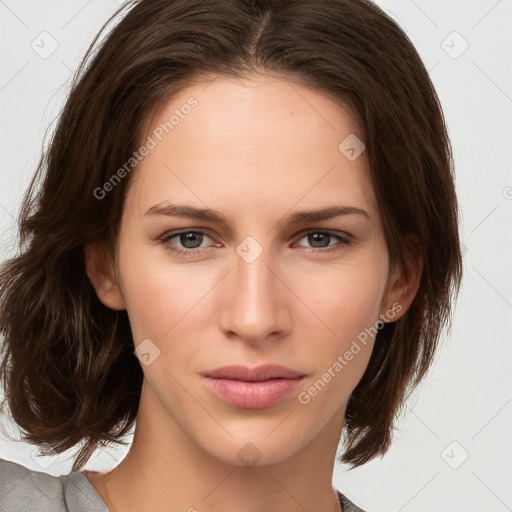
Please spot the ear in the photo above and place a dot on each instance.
(101, 274)
(403, 284)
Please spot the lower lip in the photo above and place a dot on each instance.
(252, 395)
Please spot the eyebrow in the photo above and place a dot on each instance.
(206, 214)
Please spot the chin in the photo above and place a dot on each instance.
(253, 449)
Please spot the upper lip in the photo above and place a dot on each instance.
(258, 373)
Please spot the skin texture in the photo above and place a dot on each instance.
(256, 150)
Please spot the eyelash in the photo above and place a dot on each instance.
(344, 241)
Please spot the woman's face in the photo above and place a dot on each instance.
(265, 285)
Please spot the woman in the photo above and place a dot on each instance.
(245, 239)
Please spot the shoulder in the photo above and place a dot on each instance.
(347, 505)
(25, 489)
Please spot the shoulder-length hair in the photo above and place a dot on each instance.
(68, 368)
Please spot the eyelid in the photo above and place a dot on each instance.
(334, 232)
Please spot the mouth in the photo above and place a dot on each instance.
(255, 388)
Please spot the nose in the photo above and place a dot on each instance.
(255, 299)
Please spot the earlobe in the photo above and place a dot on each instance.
(101, 276)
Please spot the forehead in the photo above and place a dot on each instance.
(255, 143)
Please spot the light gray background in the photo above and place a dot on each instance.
(464, 407)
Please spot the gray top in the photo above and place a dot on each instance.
(25, 490)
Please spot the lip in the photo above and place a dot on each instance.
(252, 388)
(258, 373)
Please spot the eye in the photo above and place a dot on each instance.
(320, 241)
(190, 241)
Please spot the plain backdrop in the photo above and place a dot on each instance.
(452, 447)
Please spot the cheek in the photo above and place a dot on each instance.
(346, 303)
(161, 297)
(345, 299)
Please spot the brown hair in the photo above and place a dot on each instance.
(69, 370)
